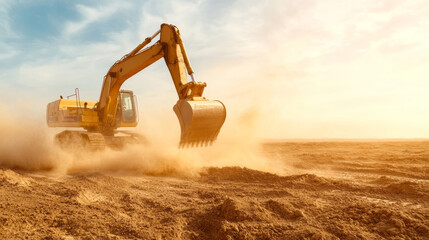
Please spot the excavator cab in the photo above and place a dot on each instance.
(126, 109)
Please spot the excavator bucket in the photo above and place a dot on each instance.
(200, 121)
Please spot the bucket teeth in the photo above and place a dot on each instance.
(196, 143)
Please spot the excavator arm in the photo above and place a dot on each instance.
(200, 119)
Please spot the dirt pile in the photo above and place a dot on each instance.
(384, 194)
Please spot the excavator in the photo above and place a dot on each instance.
(200, 118)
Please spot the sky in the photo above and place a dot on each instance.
(298, 68)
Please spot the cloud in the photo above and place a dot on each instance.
(6, 50)
(90, 15)
(5, 19)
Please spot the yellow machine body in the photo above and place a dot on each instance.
(67, 113)
(200, 119)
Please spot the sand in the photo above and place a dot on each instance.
(322, 190)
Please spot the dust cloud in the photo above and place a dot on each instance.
(28, 145)
(24, 144)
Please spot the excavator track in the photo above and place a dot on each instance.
(123, 139)
(80, 140)
(96, 141)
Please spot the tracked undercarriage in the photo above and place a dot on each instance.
(96, 141)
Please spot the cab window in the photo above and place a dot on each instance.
(128, 113)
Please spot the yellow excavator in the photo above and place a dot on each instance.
(200, 119)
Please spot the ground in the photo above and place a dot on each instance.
(332, 190)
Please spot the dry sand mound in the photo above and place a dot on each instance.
(340, 191)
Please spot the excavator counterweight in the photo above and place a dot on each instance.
(200, 119)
